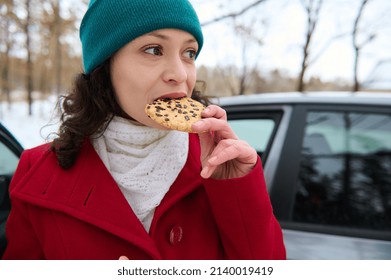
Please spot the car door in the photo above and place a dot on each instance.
(264, 128)
(333, 193)
(327, 170)
(10, 151)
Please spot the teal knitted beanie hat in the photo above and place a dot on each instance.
(108, 25)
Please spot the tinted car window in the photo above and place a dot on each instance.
(8, 164)
(257, 132)
(8, 160)
(345, 177)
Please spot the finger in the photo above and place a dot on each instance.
(123, 258)
(230, 149)
(219, 127)
(213, 111)
(206, 173)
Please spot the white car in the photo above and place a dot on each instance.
(327, 164)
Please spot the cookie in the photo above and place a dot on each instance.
(178, 114)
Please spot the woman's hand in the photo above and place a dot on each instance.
(223, 155)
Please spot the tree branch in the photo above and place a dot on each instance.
(233, 15)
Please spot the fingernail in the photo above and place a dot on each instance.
(204, 172)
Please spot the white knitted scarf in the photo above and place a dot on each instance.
(144, 162)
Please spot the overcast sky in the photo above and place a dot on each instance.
(281, 24)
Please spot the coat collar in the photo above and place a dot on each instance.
(89, 193)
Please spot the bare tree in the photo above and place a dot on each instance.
(237, 79)
(29, 64)
(380, 76)
(45, 36)
(243, 77)
(229, 75)
(50, 62)
(358, 46)
(58, 52)
(234, 14)
(56, 26)
(312, 9)
(248, 35)
(8, 28)
(6, 46)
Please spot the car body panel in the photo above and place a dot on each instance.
(319, 246)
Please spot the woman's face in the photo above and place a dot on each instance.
(155, 65)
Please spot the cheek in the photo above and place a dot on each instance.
(192, 78)
(126, 95)
(132, 104)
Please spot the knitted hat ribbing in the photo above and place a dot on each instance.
(109, 25)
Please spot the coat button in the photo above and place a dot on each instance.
(176, 235)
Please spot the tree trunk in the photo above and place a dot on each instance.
(58, 55)
(356, 84)
(29, 65)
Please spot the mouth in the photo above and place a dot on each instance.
(172, 95)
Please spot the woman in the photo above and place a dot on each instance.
(115, 184)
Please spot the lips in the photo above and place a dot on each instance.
(172, 95)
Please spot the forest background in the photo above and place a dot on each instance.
(250, 46)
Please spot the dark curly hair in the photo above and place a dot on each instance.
(88, 109)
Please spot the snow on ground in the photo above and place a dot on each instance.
(32, 130)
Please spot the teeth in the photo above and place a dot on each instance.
(165, 99)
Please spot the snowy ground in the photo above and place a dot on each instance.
(30, 130)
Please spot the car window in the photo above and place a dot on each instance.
(257, 132)
(8, 160)
(345, 177)
(8, 164)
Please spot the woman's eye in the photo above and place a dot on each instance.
(191, 54)
(155, 50)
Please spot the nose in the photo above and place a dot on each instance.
(175, 71)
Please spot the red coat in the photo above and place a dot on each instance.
(81, 214)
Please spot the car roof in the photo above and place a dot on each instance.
(324, 97)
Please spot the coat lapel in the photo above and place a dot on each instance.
(87, 192)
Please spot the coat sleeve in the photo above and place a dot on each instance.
(244, 215)
(22, 244)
